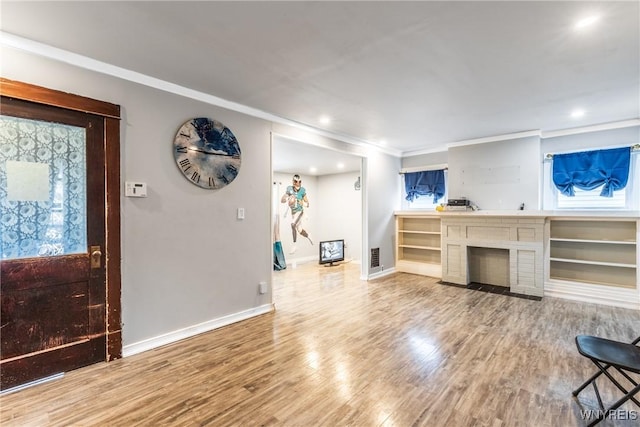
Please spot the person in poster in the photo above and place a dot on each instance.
(296, 198)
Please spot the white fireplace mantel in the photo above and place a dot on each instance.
(521, 237)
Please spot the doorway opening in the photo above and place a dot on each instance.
(317, 196)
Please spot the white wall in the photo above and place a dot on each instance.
(437, 158)
(497, 175)
(339, 212)
(382, 198)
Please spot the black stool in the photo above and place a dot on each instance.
(605, 354)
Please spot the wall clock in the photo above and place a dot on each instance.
(207, 153)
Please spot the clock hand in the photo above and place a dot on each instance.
(208, 152)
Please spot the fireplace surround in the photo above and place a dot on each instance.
(506, 250)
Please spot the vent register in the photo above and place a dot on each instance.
(375, 257)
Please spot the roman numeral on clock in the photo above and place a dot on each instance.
(181, 149)
(185, 164)
(195, 177)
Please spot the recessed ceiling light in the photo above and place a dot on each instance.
(313, 169)
(340, 165)
(585, 22)
(576, 114)
(325, 120)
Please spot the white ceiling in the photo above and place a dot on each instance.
(409, 76)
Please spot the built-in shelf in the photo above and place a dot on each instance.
(598, 252)
(418, 245)
(419, 232)
(579, 261)
(617, 242)
(430, 248)
(613, 230)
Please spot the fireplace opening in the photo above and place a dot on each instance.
(489, 266)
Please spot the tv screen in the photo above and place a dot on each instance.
(331, 251)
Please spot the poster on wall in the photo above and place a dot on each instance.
(297, 200)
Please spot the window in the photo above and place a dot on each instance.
(44, 217)
(588, 199)
(627, 198)
(424, 202)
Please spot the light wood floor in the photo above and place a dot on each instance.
(397, 351)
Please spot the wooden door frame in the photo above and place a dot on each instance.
(110, 114)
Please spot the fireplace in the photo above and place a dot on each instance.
(502, 250)
(489, 266)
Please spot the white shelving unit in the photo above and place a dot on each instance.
(582, 256)
(598, 252)
(418, 245)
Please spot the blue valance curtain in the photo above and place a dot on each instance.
(426, 183)
(590, 169)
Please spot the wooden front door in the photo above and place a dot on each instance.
(54, 218)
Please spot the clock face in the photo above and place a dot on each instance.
(207, 153)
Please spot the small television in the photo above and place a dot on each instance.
(331, 251)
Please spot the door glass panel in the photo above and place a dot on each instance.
(42, 188)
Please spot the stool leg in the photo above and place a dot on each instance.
(620, 387)
(596, 421)
(596, 375)
(628, 396)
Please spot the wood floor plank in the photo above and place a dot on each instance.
(338, 351)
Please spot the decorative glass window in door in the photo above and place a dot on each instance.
(42, 188)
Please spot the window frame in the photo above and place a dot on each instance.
(407, 205)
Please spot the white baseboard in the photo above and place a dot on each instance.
(595, 294)
(293, 262)
(32, 383)
(380, 274)
(180, 334)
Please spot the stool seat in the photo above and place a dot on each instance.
(614, 353)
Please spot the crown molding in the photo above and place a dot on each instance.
(594, 128)
(496, 138)
(425, 151)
